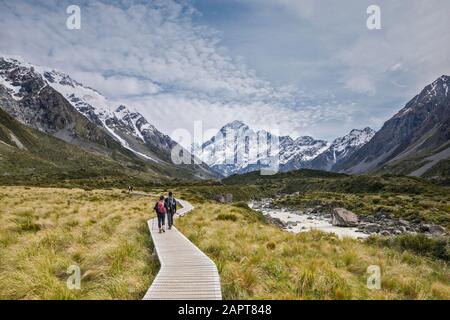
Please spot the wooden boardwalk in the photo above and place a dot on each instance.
(186, 272)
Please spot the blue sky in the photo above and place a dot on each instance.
(304, 67)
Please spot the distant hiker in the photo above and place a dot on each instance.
(160, 213)
(130, 189)
(171, 208)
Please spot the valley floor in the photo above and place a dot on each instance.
(260, 261)
(43, 231)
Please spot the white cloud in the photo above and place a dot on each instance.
(320, 44)
(153, 57)
(412, 46)
(361, 83)
(117, 85)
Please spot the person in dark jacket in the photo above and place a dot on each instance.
(171, 208)
(160, 209)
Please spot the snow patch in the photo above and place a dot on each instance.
(14, 90)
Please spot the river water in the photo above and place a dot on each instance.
(298, 221)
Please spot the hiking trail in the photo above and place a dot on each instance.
(186, 273)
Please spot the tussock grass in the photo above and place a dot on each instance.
(44, 231)
(104, 232)
(259, 261)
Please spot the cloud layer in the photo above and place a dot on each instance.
(164, 58)
(325, 45)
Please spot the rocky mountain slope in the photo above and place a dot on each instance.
(415, 141)
(342, 148)
(237, 148)
(52, 102)
(31, 156)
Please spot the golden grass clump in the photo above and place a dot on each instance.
(44, 231)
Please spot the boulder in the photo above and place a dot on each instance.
(228, 198)
(344, 218)
(316, 209)
(379, 215)
(219, 198)
(279, 223)
(369, 219)
(424, 227)
(371, 228)
(436, 229)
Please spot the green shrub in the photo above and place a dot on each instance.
(227, 217)
(432, 247)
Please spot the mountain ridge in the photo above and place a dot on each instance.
(30, 156)
(235, 140)
(414, 136)
(415, 141)
(53, 102)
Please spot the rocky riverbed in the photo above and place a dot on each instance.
(341, 222)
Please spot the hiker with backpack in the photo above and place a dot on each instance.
(160, 209)
(171, 208)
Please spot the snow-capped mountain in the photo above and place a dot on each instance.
(415, 141)
(237, 148)
(298, 153)
(55, 103)
(124, 124)
(342, 148)
(233, 150)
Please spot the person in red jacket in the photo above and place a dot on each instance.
(160, 213)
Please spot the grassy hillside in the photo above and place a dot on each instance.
(259, 261)
(255, 177)
(34, 155)
(313, 180)
(44, 231)
(440, 172)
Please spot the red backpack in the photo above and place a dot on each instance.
(160, 208)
